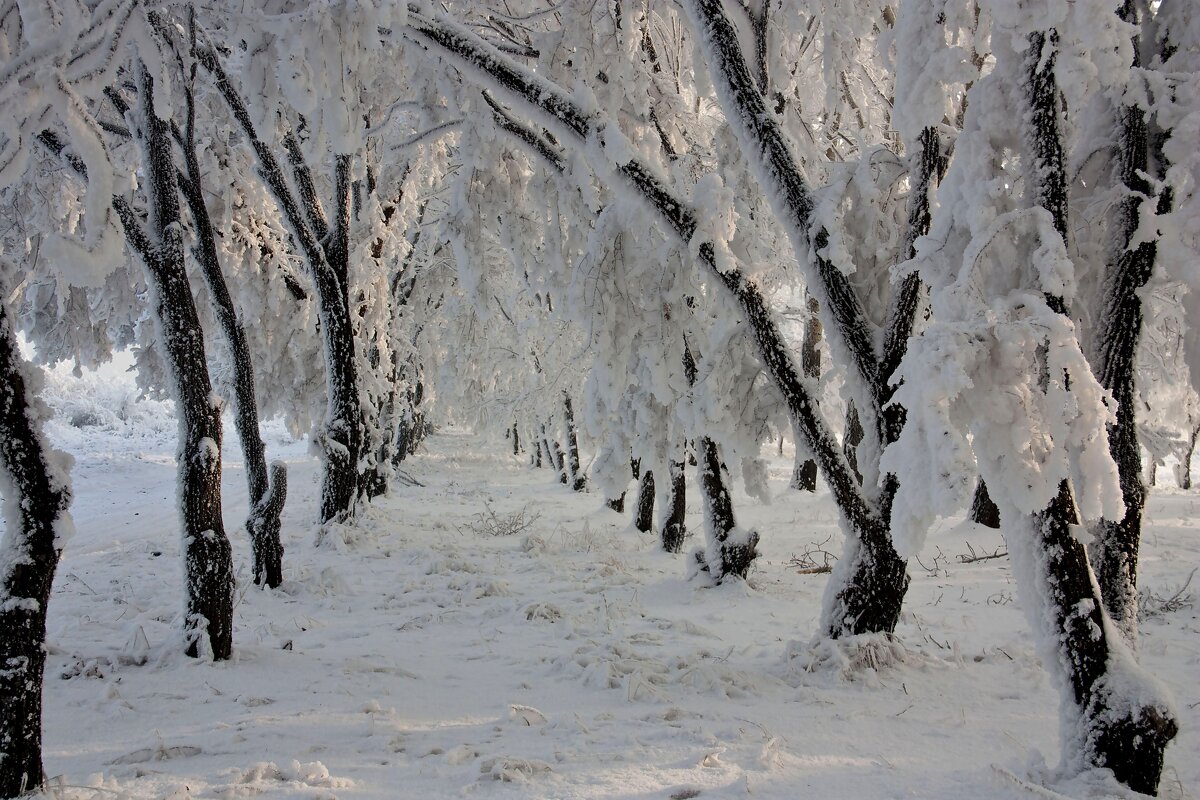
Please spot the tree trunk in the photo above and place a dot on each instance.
(673, 530)
(207, 555)
(516, 440)
(267, 492)
(804, 476)
(38, 524)
(643, 518)
(727, 553)
(983, 510)
(1185, 463)
(1115, 550)
(578, 481)
(342, 433)
(1118, 728)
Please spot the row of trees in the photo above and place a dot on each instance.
(630, 222)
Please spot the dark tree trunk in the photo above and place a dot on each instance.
(554, 451)
(516, 440)
(578, 481)
(643, 518)
(29, 554)
(1115, 550)
(267, 492)
(804, 476)
(722, 557)
(1117, 730)
(983, 510)
(673, 530)
(343, 422)
(537, 454)
(207, 554)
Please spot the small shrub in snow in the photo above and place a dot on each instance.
(490, 523)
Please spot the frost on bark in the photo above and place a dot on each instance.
(575, 478)
(643, 518)
(1185, 460)
(37, 513)
(208, 563)
(342, 438)
(268, 489)
(672, 531)
(874, 579)
(1114, 552)
(804, 474)
(1117, 729)
(729, 551)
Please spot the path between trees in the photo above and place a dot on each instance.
(416, 655)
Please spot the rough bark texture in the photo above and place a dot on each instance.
(576, 479)
(37, 507)
(343, 420)
(1120, 732)
(983, 510)
(804, 475)
(673, 530)
(208, 562)
(1115, 550)
(643, 518)
(722, 557)
(267, 492)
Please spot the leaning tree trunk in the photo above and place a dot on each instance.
(37, 494)
(578, 481)
(804, 475)
(1116, 726)
(208, 561)
(672, 531)
(267, 492)
(873, 580)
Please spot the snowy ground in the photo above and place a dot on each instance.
(416, 657)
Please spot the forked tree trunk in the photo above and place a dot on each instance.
(38, 524)
(303, 218)
(268, 492)
(208, 559)
(727, 552)
(673, 530)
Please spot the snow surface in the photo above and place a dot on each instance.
(414, 657)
